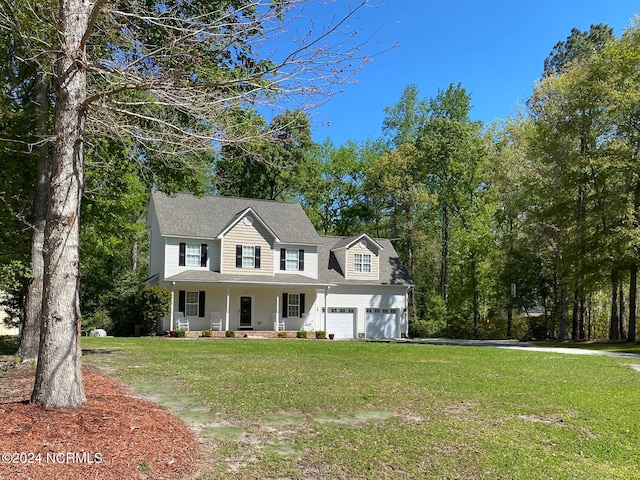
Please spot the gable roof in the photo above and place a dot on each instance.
(347, 242)
(185, 215)
(391, 269)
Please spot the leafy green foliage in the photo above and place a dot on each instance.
(156, 304)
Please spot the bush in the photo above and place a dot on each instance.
(301, 334)
(426, 328)
(181, 333)
(206, 333)
(98, 319)
(156, 303)
(321, 334)
(282, 334)
(230, 334)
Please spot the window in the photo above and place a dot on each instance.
(293, 305)
(247, 256)
(362, 263)
(291, 259)
(193, 255)
(191, 305)
(293, 309)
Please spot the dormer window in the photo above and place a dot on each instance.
(362, 263)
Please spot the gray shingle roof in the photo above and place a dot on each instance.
(392, 271)
(186, 215)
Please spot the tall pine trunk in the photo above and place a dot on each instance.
(30, 340)
(633, 288)
(444, 259)
(59, 375)
(614, 324)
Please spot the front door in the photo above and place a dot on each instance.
(245, 312)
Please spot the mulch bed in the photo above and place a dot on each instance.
(112, 436)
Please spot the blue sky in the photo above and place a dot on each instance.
(495, 49)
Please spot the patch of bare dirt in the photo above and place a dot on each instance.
(112, 436)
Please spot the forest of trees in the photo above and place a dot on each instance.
(524, 228)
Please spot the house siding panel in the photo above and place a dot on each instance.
(360, 298)
(310, 261)
(156, 245)
(172, 258)
(375, 261)
(242, 234)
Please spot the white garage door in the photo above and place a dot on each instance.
(341, 322)
(382, 322)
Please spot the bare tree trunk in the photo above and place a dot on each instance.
(574, 315)
(30, 340)
(614, 325)
(622, 310)
(583, 303)
(59, 374)
(563, 310)
(444, 260)
(633, 290)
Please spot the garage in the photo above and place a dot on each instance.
(341, 322)
(382, 322)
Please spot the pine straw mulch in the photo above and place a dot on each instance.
(112, 436)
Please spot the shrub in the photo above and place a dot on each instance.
(181, 333)
(206, 333)
(301, 334)
(321, 334)
(156, 303)
(282, 334)
(230, 334)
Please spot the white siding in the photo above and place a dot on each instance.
(360, 298)
(156, 247)
(310, 261)
(172, 252)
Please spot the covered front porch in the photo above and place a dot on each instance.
(219, 307)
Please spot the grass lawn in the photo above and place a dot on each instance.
(306, 409)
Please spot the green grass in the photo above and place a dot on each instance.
(309, 409)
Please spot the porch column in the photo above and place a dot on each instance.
(172, 306)
(226, 315)
(324, 320)
(277, 307)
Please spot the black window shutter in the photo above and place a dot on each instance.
(257, 257)
(182, 300)
(302, 309)
(285, 305)
(183, 252)
(238, 256)
(203, 254)
(300, 260)
(201, 303)
(283, 259)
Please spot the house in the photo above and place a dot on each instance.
(246, 264)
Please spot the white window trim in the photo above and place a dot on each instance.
(362, 263)
(191, 304)
(293, 256)
(293, 305)
(248, 256)
(192, 254)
